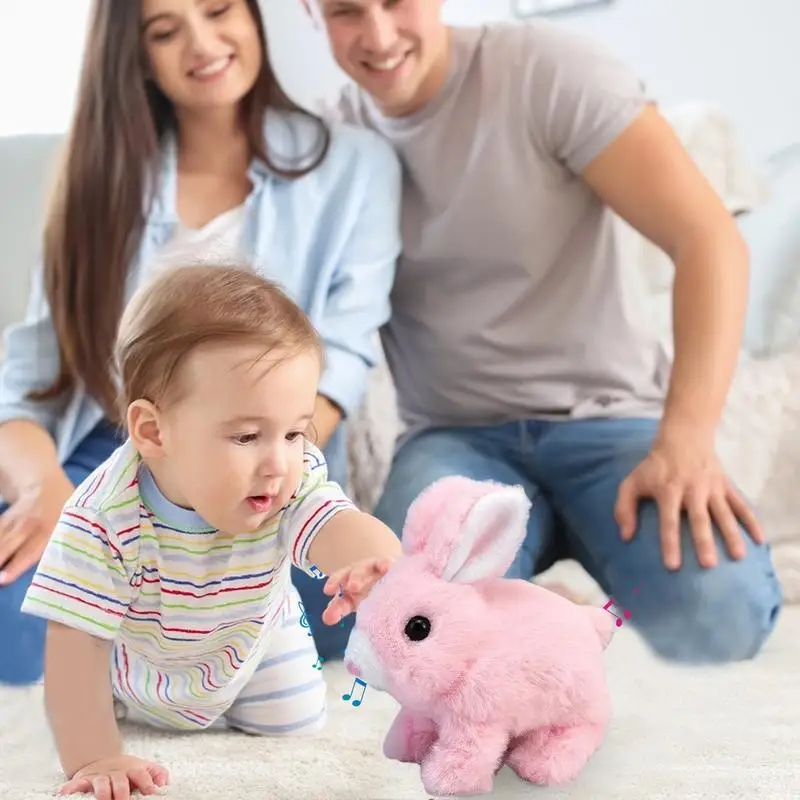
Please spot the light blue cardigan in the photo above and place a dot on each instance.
(331, 239)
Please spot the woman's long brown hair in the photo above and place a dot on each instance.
(98, 208)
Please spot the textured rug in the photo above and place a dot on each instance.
(693, 734)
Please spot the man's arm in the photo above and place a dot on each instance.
(647, 177)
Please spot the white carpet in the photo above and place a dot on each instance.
(683, 734)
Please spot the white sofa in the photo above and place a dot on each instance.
(759, 437)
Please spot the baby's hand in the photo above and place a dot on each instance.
(351, 585)
(115, 778)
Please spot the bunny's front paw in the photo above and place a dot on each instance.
(455, 773)
(410, 737)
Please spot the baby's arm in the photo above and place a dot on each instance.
(82, 587)
(322, 527)
(78, 697)
(80, 708)
(356, 551)
(349, 537)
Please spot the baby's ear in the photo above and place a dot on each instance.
(144, 428)
(490, 536)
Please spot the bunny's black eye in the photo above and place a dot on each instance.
(418, 628)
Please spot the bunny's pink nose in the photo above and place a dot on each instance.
(352, 668)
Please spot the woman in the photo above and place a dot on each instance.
(181, 139)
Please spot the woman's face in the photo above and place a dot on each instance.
(203, 54)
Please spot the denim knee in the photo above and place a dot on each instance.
(22, 636)
(714, 616)
(477, 453)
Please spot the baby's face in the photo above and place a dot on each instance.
(233, 442)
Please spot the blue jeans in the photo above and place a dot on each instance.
(572, 470)
(329, 640)
(22, 635)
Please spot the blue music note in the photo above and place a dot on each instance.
(356, 703)
(304, 619)
(316, 572)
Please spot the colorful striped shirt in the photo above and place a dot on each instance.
(189, 609)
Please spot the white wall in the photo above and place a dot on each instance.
(741, 55)
(39, 63)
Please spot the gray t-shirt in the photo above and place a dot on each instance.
(509, 301)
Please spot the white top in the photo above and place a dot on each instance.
(217, 241)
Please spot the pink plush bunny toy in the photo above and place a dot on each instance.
(487, 670)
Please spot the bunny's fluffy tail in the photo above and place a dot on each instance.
(603, 623)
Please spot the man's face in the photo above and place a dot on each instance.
(396, 50)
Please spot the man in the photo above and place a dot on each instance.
(513, 345)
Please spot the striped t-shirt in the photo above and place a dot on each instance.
(189, 608)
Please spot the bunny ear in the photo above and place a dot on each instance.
(490, 536)
(467, 529)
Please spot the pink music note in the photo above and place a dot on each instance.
(356, 703)
(626, 613)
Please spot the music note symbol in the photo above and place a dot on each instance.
(304, 619)
(356, 703)
(316, 572)
(318, 663)
(626, 613)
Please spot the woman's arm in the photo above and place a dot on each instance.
(28, 458)
(31, 478)
(649, 179)
(78, 698)
(36, 487)
(327, 416)
(30, 363)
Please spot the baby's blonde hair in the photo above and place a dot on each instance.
(186, 307)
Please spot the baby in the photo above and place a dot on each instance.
(166, 582)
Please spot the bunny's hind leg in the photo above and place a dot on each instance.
(549, 756)
(410, 737)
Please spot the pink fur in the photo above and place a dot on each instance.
(509, 672)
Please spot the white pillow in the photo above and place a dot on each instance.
(772, 233)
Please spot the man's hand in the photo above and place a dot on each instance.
(26, 527)
(683, 473)
(115, 778)
(351, 585)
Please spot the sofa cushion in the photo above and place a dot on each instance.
(26, 164)
(773, 235)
